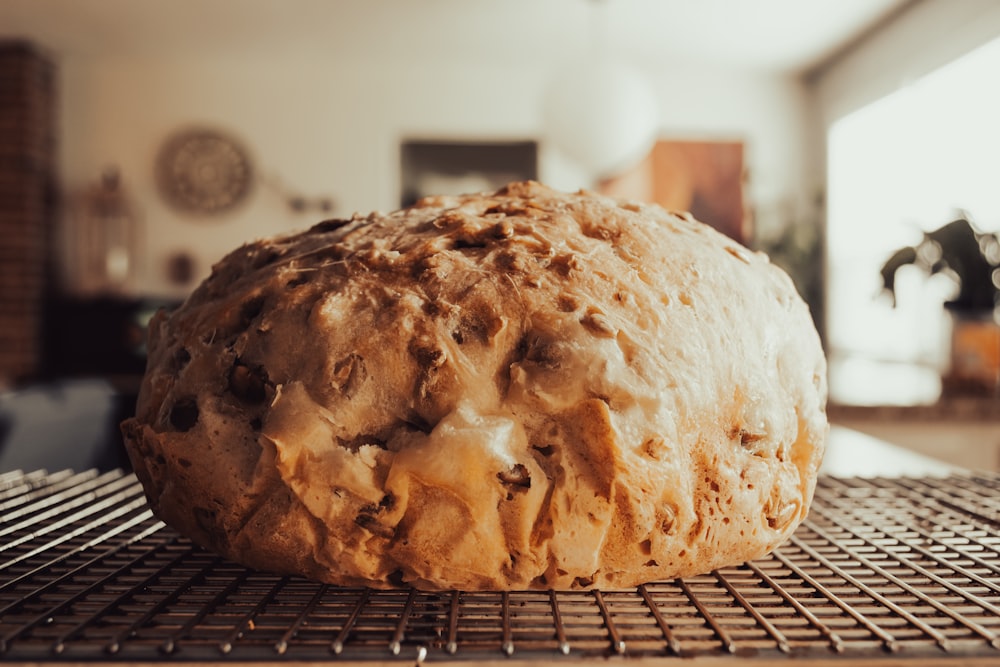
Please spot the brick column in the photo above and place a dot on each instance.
(27, 204)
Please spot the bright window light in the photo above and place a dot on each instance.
(908, 163)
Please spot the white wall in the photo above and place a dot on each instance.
(330, 124)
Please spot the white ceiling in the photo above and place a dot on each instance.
(778, 35)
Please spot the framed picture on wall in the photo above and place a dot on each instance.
(459, 167)
(705, 178)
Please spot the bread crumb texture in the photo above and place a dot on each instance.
(520, 389)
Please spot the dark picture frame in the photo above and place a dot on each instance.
(450, 167)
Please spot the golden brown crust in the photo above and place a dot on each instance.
(519, 389)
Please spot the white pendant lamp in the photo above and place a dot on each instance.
(600, 112)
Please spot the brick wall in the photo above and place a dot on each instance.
(27, 204)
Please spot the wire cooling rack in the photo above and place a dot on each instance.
(884, 571)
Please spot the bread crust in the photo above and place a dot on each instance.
(520, 389)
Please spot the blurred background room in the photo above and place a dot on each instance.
(855, 141)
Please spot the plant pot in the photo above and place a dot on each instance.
(974, 364)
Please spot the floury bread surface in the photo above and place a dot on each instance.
(524, 389)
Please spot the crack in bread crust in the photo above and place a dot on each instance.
(519, 389)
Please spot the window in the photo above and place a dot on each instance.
(906, 164)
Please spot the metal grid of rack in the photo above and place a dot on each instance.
(883, 570)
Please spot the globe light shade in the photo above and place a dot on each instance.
(602, 115)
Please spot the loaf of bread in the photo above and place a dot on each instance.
(520, 389)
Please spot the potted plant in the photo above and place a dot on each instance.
(972, 259)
